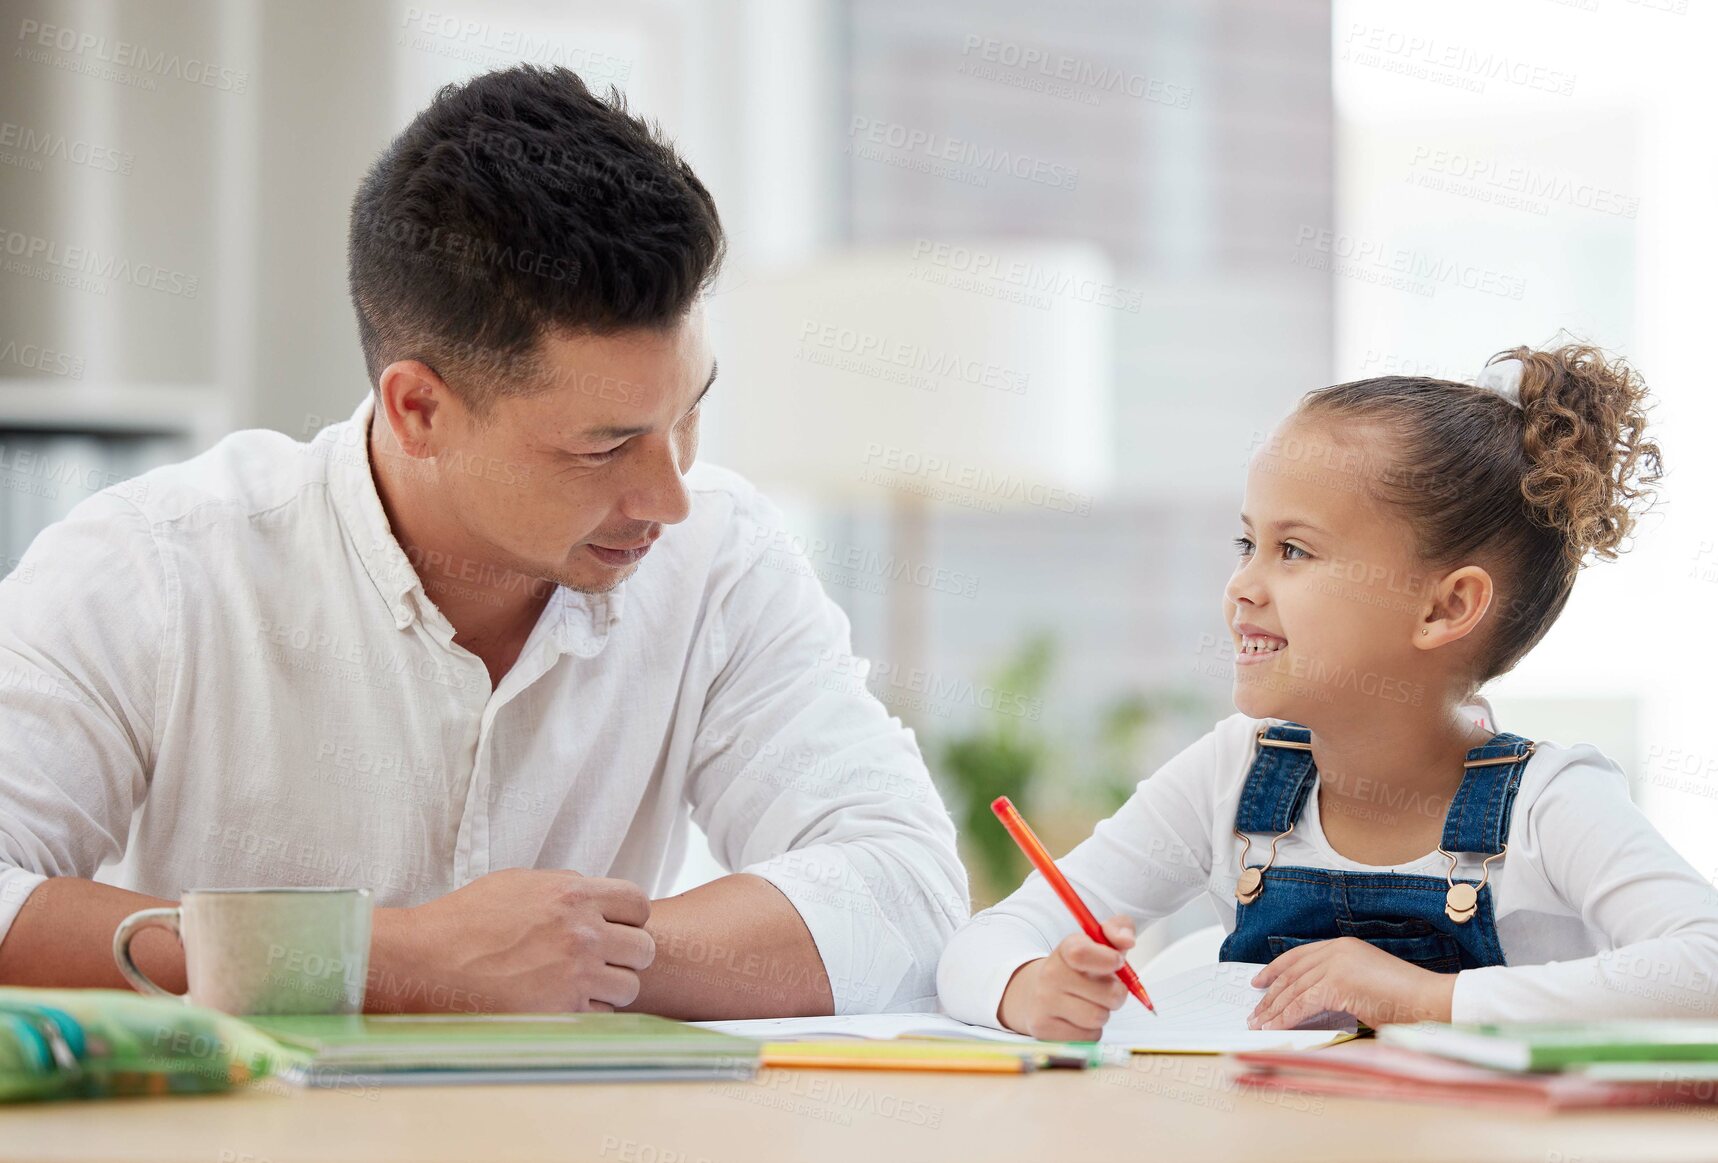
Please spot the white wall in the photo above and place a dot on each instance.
(1579, 171)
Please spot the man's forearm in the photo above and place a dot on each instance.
(63, 938)
(733, 948)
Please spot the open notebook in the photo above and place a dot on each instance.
(1202, 1011)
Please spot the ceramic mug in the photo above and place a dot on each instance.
(263, 950)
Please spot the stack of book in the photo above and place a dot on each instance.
(446, 1048)
(1555, 1066)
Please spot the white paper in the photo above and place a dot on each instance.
(1205, 1010)
(1202, 1011)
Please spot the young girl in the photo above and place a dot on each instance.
(1368, 834)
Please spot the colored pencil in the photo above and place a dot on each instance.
(1040, 858)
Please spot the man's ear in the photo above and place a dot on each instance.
(414, 401)
(1459, 603)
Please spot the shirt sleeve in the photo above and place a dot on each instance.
(1146, 861)
(1591, 850)
(82, 639)
(801, 777)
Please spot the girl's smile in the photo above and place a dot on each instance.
(1254, 645)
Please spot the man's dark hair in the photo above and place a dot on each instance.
(516, 203)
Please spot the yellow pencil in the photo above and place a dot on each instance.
(884, 1055)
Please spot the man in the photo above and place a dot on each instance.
(484, 646)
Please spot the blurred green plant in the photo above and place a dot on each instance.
(1001, 757)
(1064, 776)
(1122, 728)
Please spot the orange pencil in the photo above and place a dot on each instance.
(1040, 858)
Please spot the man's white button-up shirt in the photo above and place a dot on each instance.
(226, 673)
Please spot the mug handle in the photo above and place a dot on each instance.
(129, 928)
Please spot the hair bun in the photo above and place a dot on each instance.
(1591, 468)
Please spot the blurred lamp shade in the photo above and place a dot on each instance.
(975, 375)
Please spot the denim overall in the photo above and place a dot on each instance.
(1401, 914)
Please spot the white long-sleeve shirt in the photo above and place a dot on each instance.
(1596, 913)
(226, 673)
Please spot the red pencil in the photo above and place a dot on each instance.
(1040, 858)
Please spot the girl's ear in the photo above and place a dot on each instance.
(1459, 602)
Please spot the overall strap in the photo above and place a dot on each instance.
(1478, 819)
(1278, 781)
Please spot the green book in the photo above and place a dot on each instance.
(1559, 1045)
(379, 1044)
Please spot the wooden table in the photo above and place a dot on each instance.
(1160, 1108)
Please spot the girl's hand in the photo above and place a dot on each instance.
(1069, 995)
(1351, 976)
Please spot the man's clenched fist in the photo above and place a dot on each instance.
(523, 940)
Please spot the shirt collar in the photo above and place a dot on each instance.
(1478, 709)
(359, 506)
(579, 623)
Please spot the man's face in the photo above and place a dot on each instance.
(572, 484)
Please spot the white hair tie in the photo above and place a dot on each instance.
(1502, 377)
